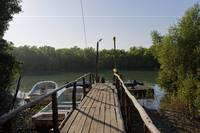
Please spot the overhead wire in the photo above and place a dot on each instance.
(84, 26)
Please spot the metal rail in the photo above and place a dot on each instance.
(133, 113)
(8, 116)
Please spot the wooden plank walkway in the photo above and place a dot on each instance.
(99, 112)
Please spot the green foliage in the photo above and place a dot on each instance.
(48, 59)
(8, 65)
(197, 98)
(156, 37)
(179, 57)
(188, 92)
(7, 9)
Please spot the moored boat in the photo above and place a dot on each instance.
(41, 88)
(43, 119)
(140, 90)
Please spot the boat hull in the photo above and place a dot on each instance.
(43, 119)
(40, 89)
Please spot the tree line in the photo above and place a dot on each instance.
(178, 53)
(48, 59)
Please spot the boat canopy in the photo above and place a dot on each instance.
(43, 87)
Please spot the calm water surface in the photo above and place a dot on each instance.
(148, 77)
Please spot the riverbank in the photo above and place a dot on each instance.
(176, 111)
(172, 121)
(169, 114)
(161, 122)
(173, 117)
(181, 121)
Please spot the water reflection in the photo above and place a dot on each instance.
(153, 103)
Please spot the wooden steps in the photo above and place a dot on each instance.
(99, 112)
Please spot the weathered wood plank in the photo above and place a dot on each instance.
(80, 114)
(102, 114)
(88, 121)
(107, 121)
(119, 120)
(112, 100)
(113, 121)
(86, 114)
(98, 114)
(74, 114)
(107, 111)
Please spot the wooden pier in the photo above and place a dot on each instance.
(99, 112)
(105, 108)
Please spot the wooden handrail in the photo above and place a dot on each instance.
(144, 116)
(5, 117)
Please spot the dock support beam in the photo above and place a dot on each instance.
(84, 91)
(90, 80)
(74, 97)
(55, 113)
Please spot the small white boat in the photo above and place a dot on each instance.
(40, 89)
(43, 119)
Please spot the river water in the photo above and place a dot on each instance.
(147, 103)
(153, 103)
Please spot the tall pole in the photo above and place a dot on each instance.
(97, 59)
(114, 40)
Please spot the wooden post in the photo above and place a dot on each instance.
(114, 80)
(123, 102)
(97, 59)
(131, 118)
(119, 94)
(145, 129)
(126, 111)
(117, 83)
(90, 80)
(128, 104)
(114, 40)
(84, 91)
(55, 113)
(74, 97)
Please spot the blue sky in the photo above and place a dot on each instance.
(58, 23)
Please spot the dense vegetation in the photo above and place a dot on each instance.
(8, 64)
(178, 53)
(48, 59)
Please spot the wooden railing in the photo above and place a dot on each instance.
(135, 117)
(4, 119)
